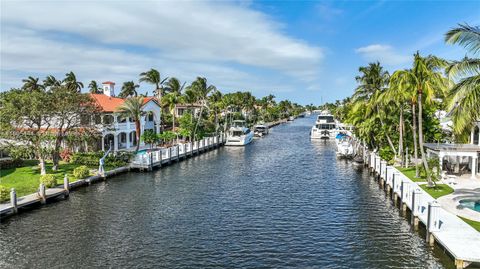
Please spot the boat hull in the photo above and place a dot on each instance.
(239, 141)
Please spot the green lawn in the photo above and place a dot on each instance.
(26, 179)
(474, 224)
(438, 190)
(410, 173)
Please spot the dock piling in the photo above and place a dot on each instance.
(66, 185)
(42, 193)
(13, 200)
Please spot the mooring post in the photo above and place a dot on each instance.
(432, 222)
(178, 152)
(394, 194)
(13, 200)
(66, 185)
(416, 195)
(42, 193)
(403, 203)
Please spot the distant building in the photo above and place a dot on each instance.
(181, 109)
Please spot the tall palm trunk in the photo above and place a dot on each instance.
(137, 133)
(198, 121)
(420, 138)
(400, 140)
(415, 147)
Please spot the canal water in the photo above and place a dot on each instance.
(282, 202)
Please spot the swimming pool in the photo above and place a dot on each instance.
(472, 204)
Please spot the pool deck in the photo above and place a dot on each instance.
(442, 226)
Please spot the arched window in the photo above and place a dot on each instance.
(122, 140)
(108, 140)
(121, 119)
(133, 138)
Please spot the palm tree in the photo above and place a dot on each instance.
(31, 84)
(153, 77)
(465, 95)
(132, 107)
(201, 90)
(93, 87)
(399, 93)
(129, 89)
(427, 82)
(373, 82)
(50, 81)
(174, 97)
(72, 83)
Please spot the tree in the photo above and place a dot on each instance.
(201, 90)
(465, 95)
(26, 118)
(373, 82)
(72, 113)
(129, 89)
(150, 137)
(72, 83)
(132, 107)
(31, 84)
(93, 87)
(153, 77)
(51, 82)
(427, 81)
(173, 98)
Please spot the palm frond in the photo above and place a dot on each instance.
(466, 36)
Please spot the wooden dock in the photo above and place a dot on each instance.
(458, 238)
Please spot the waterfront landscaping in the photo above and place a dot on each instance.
(26, 179)
(438, 190)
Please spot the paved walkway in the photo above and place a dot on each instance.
(464, 188)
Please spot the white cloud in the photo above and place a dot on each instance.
(182, 38)
(385, 54)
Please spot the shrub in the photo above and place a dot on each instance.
(10, 163)
(81, 172)
(49, 180)
(92, 159)
(4, 194)
(66, 155)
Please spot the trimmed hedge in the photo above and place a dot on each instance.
(49, 180)
(81, 172)
(4, 194)
(10, 163)
(93, 158)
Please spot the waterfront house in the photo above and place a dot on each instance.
(117, 130)
(459, 159)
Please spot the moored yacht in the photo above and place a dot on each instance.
(325, 127)
(239, 134)
(344, 145)
(260, 130)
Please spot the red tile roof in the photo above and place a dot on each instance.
(110, 104)
(108, 82)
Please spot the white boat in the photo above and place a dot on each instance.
(344, 145)
(327, 127)
(239, 134)
(260, 130)
(291, 118)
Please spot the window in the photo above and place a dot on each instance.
(107, 119)
(84, 119)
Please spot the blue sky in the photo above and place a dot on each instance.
(305, 51)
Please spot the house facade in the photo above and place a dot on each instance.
(117, 130)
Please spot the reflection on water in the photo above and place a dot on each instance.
(283, 201)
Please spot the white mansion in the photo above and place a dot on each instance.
(117, 130)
